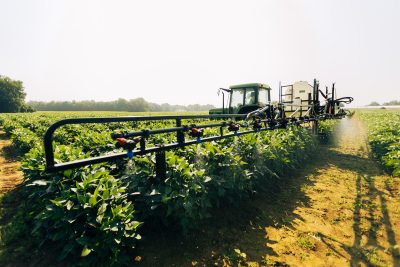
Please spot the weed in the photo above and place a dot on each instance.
(306, 242)
(371, 256)
(304, 256)
(235, 257)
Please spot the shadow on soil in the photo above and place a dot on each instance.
(366, 198)
(9, 152)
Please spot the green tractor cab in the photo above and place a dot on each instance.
(243, 98)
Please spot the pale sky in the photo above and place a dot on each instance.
(182, 51)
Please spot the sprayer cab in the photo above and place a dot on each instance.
(243, 98)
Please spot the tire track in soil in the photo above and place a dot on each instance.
(340, 210)
(10, 174)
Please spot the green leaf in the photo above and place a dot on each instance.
(68, 173)
(69, 204)
(154, 192)
(38, 182)
(106, 194)
(93, 198)
(85, 252)
(99, 218)
(102, 208)
(57, 203)
(136, 224)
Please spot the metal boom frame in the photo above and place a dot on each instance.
(179, 129)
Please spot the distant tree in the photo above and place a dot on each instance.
(374, 104)
(138, 104)
(12, 96)
(392, 103)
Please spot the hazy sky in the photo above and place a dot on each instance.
(181, 52)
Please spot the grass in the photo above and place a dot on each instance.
(235, 257)
(305, 241)
(371, 256)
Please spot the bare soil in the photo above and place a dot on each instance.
(340, 210)
(10, 174)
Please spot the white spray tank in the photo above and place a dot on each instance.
(297, 94)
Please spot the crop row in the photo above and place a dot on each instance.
(93, 214)
(384, 137)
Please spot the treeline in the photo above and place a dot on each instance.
(390, 103)
(134, 105)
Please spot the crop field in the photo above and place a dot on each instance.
(384, 137)
(107, 214)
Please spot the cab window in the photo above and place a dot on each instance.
(237, 98)
(250, 96)
(263, 96)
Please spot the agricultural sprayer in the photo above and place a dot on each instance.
(249, 111)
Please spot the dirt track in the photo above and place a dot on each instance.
(10, 176)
